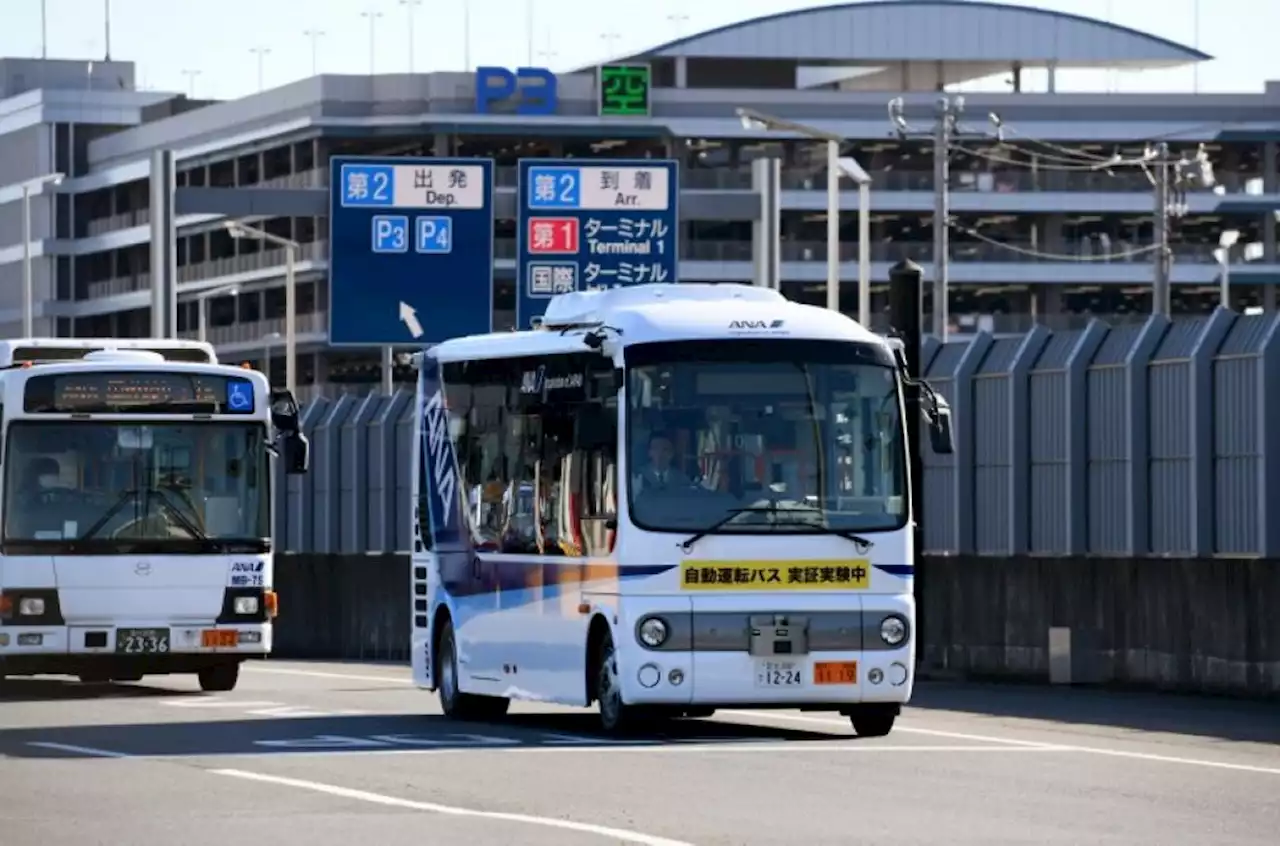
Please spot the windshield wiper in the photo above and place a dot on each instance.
(688, 543)
(773, 509)
(182, 519)
(125, 497)
(826, 530)
(178, 514)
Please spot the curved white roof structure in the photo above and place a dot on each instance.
(969, 38)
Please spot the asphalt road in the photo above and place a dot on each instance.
(350, 754)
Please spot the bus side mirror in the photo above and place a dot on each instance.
(296, 453)
(941, 437)
(284, 411)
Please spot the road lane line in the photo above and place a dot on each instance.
(79, 750)
(221, 703)
(1031, 744)
(667, 749)
(831, 721)
(317, 674)
(619, 834)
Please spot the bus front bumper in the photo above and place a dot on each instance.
(128, 648)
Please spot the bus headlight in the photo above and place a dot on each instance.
(893, 630)
(653, 632)
(31, 606)
(246, 605)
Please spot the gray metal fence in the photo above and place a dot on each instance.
(1151, 439)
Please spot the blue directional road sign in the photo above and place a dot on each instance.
(410, 250)
(607, 224)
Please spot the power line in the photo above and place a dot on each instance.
(946, 126)
(1060, 257)
(1171, 175)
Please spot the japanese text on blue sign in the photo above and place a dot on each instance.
(591, 227)
(411, 250)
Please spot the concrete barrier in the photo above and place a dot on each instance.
(1187, 625)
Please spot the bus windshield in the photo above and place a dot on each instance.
(117, 487)
(764, 435)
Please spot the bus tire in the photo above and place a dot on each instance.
(873, 721)
(455, 704)
(616, 717)
(220, 677)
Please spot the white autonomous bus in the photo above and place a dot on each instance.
(667, 499)
(135, 533)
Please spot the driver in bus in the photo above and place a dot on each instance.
(659, 474)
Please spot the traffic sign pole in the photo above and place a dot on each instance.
(411, 250)
(607, 224)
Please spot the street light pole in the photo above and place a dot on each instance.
(292, 249)
(202, 311)
(837, 166)
(28, 275)
(290, 320)
(833, 225)
(28, 298)
(1227, 241)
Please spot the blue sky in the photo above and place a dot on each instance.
(212, 43)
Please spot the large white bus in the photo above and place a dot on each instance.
(667, 499)
(135, 509)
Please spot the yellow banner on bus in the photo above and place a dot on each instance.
(816, 575)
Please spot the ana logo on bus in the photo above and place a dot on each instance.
(446, 482)
(756, 324)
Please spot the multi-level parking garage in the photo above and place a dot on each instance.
(1036, 235)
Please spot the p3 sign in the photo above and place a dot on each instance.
(526, 91)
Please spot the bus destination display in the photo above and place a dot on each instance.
(137, 391)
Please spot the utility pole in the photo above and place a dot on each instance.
(945, 131)
(1161, 293)
(1171, 176)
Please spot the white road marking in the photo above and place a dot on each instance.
(221, 703)
(663, 749)
(316, 674)
(1030, 744)
(262, 708)
(618, 834)
(831, 721)
(800, 718)
(79, 750)
(295, 712)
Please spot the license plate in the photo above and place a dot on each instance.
(142, 641)
(835, 672)
(779, 674)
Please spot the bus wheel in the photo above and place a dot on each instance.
(455, 704)
(873, 721)
(220, 677)
(616, 717)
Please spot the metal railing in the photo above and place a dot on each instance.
(796, 251)
(254, 331)
(794, 179)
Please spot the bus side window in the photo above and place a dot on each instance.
(596, 460)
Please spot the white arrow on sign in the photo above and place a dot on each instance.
(409, 317)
